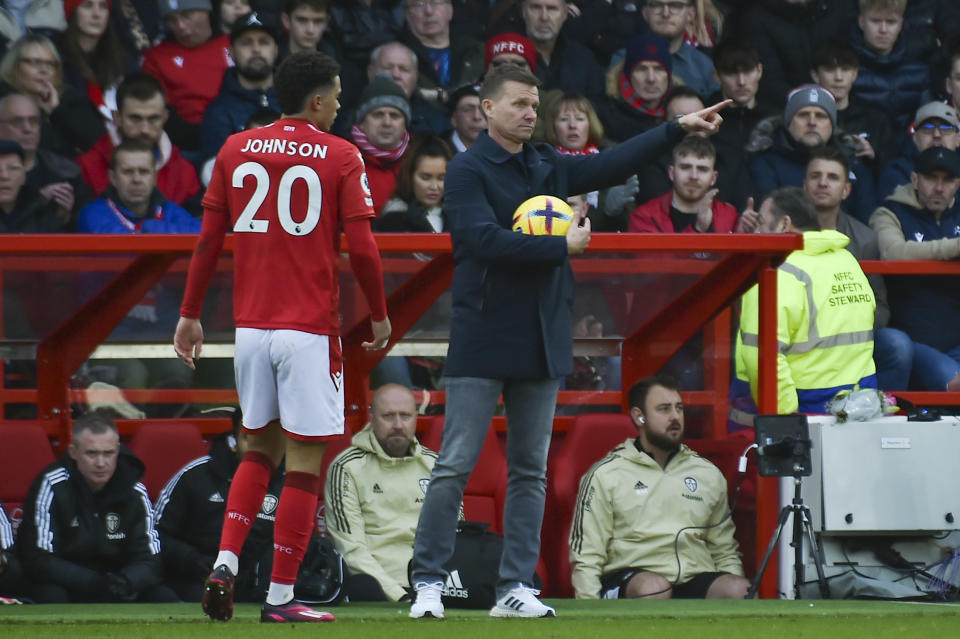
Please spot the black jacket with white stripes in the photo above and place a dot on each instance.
(189, 514)
(73, 537)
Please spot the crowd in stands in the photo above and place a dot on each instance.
(112, 113)
(874, 79)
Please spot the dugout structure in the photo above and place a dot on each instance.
(64, 296)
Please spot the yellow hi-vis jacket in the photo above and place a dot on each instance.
(824, 326)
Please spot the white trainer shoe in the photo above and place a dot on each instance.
(427, 603)
(521, 602)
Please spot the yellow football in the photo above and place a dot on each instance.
(543, 215)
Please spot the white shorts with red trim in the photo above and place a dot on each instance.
(292, 376)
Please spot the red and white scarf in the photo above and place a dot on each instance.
(630, 96)
(386, 156)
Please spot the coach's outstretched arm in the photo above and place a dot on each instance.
(613, 166)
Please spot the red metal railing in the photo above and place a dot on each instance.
(716, 284)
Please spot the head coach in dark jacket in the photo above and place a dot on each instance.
(511, 328)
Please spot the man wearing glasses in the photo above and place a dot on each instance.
(669, 19)
(935, 124)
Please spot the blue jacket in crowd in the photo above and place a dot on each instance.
(107, 215)
(896, 84)
(230, 110)
(780, 161)
(513, 293)
(897, 172)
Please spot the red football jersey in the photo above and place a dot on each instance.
(287, 189)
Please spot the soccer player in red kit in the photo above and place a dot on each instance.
(286, 190)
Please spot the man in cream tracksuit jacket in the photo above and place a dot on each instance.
(645, 494)
(373, 496)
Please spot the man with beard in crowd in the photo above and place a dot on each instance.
(248, 86)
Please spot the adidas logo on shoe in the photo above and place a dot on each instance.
(521, 602)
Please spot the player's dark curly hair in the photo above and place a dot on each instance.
(301, 76)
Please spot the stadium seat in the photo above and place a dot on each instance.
(164, 448)
(487, 488)
(591, 436)
(25, 452)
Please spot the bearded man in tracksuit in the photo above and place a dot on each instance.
(373, 496)
(652, 519)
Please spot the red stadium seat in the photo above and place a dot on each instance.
(487, 488)
(164, 449)
(725, 454)
(590, 438)
(25, 452)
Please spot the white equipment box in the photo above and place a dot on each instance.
(884, 476)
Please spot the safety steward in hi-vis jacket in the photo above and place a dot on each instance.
(825, 313)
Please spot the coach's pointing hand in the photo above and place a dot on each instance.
(704, 121)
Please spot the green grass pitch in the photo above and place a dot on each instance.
(576, 620)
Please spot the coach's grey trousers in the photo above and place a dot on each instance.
(470, 405)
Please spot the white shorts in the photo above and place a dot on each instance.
(292, 376)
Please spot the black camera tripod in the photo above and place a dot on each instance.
(801, 523)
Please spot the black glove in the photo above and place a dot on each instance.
(120, 587)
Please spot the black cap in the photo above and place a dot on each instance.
(938, 158)
(9, 147)
(458, 94)
(257, 20)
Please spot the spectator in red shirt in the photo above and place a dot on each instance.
(189, 64)
(141, 114)
(690, 206)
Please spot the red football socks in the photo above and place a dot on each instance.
(296, 516)
(247, 490)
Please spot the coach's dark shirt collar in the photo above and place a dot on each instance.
(529, 159)
(491, 149)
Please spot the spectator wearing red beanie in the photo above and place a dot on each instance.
(510, 48)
